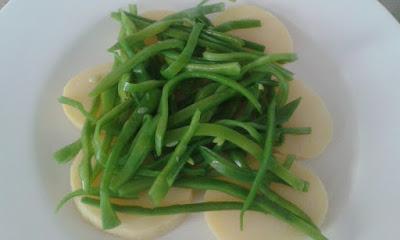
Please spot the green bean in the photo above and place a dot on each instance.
(247, 127)
(108, 99)
(133, 9)
(106, 118)
(147, 32)
(224, 37)
(285, 112)
(76, 104)
(142, 87)
(203, 19)
(210, 102)
(67, 153)
(283, 90)
(148, 173)
(185, 158)
(269, 59)
(288, 75)
(162, 125)
(163, 181)
(277, 199)
(198, 11)
(85, 168)
(231, 56)
(259, 48)
(139, 71)
(127, 25)
(290, 158)
(185, 55)
(229, 42)
(172, 209)
(173, 55)
(210, 39)
(141, 56)
(147, 105)
(201, 172)
(228, 69)
(260, 202)
(69, 196)
(228, 169)
(215, 130)
(209, 42)
(142, 146)
(225, 167)
(265, 160)
(296, 131)
(238, 24)
(124, 80)
(136, 186)
(287, 176)
(238, 157)
(94, 192)
(206, 91)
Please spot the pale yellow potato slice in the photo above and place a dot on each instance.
(133, 227)
(313, 113)
(272, 34)
(79, 87)
(258, 226)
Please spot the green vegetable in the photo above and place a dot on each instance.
(238, 24)
(141, 147)
(163, 122)
(161, 185)
(198, 11)
(232, 56)
(68, 152)
(172, 209)
(186, 54)
(265, 159)
(75, 104)
(142, 87)
(144, 54)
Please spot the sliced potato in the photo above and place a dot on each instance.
(272, 34)
(258, 226)
(133, 227)
(78, 89)
(313, 113)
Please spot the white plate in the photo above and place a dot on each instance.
(349, 53)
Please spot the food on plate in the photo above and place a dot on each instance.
(189, 104)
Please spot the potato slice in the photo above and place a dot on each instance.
(258, 226)
(272, 34)
(313, 113)
(78, 88)
(133, 227)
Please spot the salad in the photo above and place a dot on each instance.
(193, 104)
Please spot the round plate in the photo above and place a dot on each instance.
(348, 52)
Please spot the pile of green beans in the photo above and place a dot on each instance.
(183, 112)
